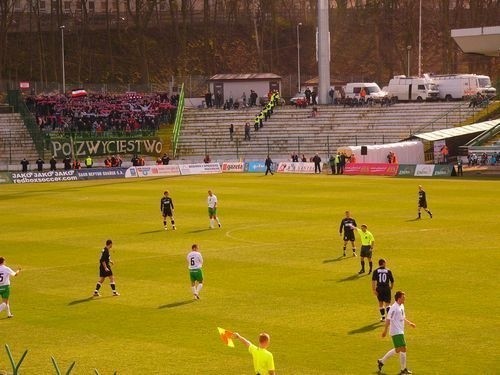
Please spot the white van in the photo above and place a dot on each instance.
(372, 91)
(412, 88)
(463, 86)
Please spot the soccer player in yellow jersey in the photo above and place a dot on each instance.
(263, 361)
(367, 243)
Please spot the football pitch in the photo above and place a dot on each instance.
(275, 266)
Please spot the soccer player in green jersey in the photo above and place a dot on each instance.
(263, 361)
(395, 323)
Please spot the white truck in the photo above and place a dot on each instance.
(463, 86)
(371, 89)
(403, 88)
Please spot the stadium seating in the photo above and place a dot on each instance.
(15, 142)
(294, 130)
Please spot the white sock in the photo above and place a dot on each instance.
(193, 288)
(402, 360)
(2, 306)
(388, 355)
(8, 309)
(199, 288)
(218, 221)
(211, 222)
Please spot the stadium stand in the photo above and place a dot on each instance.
(295, 130)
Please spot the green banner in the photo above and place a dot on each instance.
(5, 178)
(406, 170)
(80, 148)
(442, 170)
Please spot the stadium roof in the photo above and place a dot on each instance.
(244, 77)
(479, 40)
(461, 130)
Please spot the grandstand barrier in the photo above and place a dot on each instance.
(179, 117)
(374, 169)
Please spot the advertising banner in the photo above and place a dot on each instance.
(233, 167)
(81, 148)
(406, 170)
(100, 173)
(49, 176)
(69, 175)
(290, 167)
(199, 168)
(153, 171)
(442, 170)
(255, 166)
(424, 170)
(376, 169)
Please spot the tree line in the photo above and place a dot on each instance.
(143, 41)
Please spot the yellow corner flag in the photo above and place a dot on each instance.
(226, 336)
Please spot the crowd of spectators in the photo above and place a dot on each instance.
(99, 114)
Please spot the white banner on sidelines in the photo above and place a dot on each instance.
(233, 167)
(199, 168)
(291, 167)
(153, 171)
(424, 170)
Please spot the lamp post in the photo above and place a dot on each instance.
(298, 56)
(62, 60)
(420, 40)
(408, 49)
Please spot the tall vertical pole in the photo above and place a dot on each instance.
(420, 41)
(298, 56)
(408, 70)
(62, 60)
(323, 51)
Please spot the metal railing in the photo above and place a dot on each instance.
(178, 122)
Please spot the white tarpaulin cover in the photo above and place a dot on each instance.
(411, 152)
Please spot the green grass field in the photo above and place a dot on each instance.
(274, 266)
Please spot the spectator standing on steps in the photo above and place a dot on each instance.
(53, 163)
(39, 162)
(24, 165)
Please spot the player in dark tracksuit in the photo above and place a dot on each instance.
(347, 225)
(422, 202)
(382, 284)
(167, 210)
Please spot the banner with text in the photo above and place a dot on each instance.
(377, 169)
(290, 167)
(424, 170)
(406, 170)
(442, 170)
(233, 167)
(69, 175)
(153, 171)
(255, 166)
(199, 168)
(98, 147)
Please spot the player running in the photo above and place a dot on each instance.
(167, 210)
